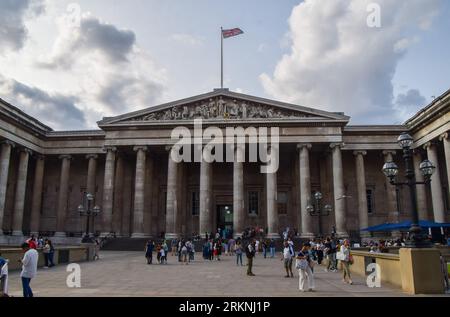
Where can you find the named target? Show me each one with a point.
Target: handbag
(340, 256)
(301, 264)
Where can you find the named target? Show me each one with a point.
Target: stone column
(172, 198)
(4, 171)
(238, 191)
(436, 185)
(118, 196)
(206, 213)
(272, 205)
(362, 192)
(108, 190)
(305, 190)
(446, 143)
(421, 193)
(63, 194)
(391, 194)
(139, 193)
(339, 191)
(21, 188)
(36, 204)
(90, 183)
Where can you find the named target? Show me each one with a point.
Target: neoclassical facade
(142, 192)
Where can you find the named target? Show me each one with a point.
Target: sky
(70, 63)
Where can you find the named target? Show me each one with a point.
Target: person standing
(250, 252)
(173, 244)
(330, 251)
(149, 251)
(346, 261)
(272, 248)
(304, 269)
(29, 268)
(288, 254)
(32, 242)
(264, 248)
(46, 252)
(238, 251)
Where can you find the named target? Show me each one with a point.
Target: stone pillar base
(35, 234)
(421, 271)
(342, 235)
(307, 235)
(273, 236)
(138, 235)
(17, 233)
(237, 236)
(171, 236)
(60, 235)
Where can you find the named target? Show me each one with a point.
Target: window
(195, 203)
(370, 204)
(282, 201)
(253, 203)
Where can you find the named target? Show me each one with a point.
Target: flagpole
(221, 57)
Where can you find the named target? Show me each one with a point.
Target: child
(163, 256)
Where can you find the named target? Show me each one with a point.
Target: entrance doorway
(225, 220)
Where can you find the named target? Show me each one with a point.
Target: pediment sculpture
(220, 108)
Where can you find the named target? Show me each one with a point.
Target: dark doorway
(225, 220)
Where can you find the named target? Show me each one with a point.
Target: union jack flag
(232, 32)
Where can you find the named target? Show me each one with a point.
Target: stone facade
(126, 165)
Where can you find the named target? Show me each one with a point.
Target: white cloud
(56, 110)
(98, 62)
(337, 63)
(13, 13)
(407, 104)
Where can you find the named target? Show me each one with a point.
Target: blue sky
(314, 53)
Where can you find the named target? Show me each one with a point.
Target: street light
(416, 239)
(318, 211)
(85, 209)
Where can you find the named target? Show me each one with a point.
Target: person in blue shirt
(149, 251)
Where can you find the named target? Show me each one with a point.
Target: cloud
(407, 104)
(187, 39)
(112, 74)
(337, 63)
(56, 110)
(13, 13)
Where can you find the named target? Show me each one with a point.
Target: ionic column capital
(360, 152)
(9, 142)
(389, 152)
(65, 157)
(337, 145)
(300, 146)
(428, 145)
(26, 150)
(40, 157)
(109, 149)
(443, 136)
(92, 156)
(140, 148)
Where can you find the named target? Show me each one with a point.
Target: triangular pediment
(223, 105)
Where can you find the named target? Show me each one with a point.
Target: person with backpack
(330, 251)
(288, 255)
(303, 265)
(250, 252)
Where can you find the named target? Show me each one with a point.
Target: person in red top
(32, 243)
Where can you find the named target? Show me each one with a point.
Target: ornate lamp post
(318, 211)
(416, 239)
(85, 209)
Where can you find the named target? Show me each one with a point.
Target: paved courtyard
(127, 274)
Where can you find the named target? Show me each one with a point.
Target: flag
(232, 32)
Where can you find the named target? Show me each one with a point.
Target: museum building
(141, 191)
